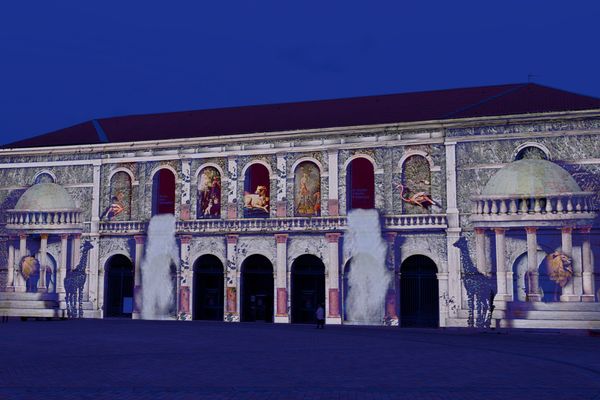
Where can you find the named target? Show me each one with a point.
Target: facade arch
(308, 159)
(254, 162)
(37, 178)
(206, 165)
(165, 166)
(122, 169)
(355, 156)
(425, 155)
(518, 152)
(307, 189)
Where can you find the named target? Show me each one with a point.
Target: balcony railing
(292, 224)
(61, 219)
(543, 207)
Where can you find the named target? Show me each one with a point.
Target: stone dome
(45, 197)
(531, 178)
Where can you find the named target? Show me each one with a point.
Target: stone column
(501, 279)
(231, 293)
(480, 250)
(43, 261)
(62, 268)
(10, 268)
(185, 210)
(281, 186)
(391, 307)
(333, 202)
(588, 267)
(137, 277)
(451, 198)
(281, 312)
(532, 265)
(22, 253)
(568, 292)
(333, 281)
(184, 310)
(232, 178)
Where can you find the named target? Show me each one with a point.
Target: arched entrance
(208, 288)
(419, 301)
(257, 289)
(119, 287)
(163, 192)
(308, 288)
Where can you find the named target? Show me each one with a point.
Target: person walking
(320, 314)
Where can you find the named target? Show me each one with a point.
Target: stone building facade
(261, 217)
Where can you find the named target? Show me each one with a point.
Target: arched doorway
(308, 288)
(257, 289)
(346, 289)
(419, 302)
(119, 287)
(163, 192)
(360, 184)
(208, 288)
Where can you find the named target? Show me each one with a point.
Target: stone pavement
(132, 359)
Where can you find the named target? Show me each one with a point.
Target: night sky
(65, 62)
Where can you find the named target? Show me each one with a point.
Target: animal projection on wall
(74, 283)
(479, 287)
(415, 188)
(560, 270)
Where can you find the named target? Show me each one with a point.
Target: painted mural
(307, 190)
(120, 198)
(209, 193)
(415, 189)
(256, 192)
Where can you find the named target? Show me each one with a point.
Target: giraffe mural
(480, 289)
(74, 283)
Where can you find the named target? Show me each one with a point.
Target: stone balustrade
(564, 206)
(23, 220)
(292, 224)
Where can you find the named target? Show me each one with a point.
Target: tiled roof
(394, 108)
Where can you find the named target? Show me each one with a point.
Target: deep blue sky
(65, 62)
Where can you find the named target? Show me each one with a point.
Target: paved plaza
(125, 359)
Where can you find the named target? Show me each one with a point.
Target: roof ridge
(486, 100)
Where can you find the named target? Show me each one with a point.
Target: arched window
(208, 204)
(416, 185)
(531, 153)
(119, 208)
(163, 192)
(256, 192)
(307, 190)
(360, 184)
(44, 177)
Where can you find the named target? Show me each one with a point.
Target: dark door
(308, 288)
(119, 287)
(257, 289)
(208, 289)
(419, 303)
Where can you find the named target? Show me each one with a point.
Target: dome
(45, 196)
(531, 178)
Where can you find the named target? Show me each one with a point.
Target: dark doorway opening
(346, 289)
(360, 184)
(419, 302)
(163, 192)
(208, 289)
(257, 289)
(119, 287)
(308, 288)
